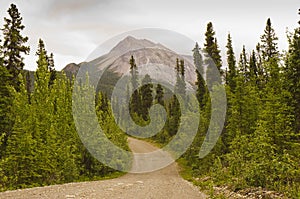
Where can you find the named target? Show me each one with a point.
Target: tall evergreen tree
(43, 109)
(200, 83)
(231, 61)
(261, 72)
(5, 104)
(159, 97)
(299, 14)
(14, 44)
(269, 46)
(177, 66)
(51, 69)
(270, 54)
(213, 58)
(180, 86)
(244, 64)
(211, 46)
(135, 102)
(292, 74)
(147, 96)
(1, 55)
(231, 82)
(21, 160)
(182, 69)
(42, 73)
(174, 114)
(253, 68)
(64, 139)
(134, 72)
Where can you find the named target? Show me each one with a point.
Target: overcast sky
(72, 29)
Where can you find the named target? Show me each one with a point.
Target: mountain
(71, 69)
(151, 58)
(131, 44)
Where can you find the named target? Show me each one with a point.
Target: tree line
(260, 144)
(38, 139)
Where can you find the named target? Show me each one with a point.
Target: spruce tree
(146, 96)
(244, 65)
(271, 140)
(64, 140)
(43, 109)
(198, 59)
(174, 114)
(253, 73)
(261, 72)
(51, 69)
(183, 83)
(182, 69)
(180, 86)
(213, 57)
(159, 97)
(14, 44)
(231, 82)
(292, 74)
(211, 46)
(270, 54)
(269, 42)
(177, 66)
(231, 61)
(135, 101)
(200, 83)
(42, 73)
(134, 72)
(21, 160)
(41, 132)
(299, 14)
(5, 105)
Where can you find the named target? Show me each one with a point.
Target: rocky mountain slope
(151, 58)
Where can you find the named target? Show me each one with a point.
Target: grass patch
(184, 170)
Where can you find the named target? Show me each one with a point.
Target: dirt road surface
(162, 184)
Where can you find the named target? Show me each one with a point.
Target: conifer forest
(259, 146)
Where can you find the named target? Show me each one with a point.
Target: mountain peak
(131, 43)
(151, 58)
(130, 38)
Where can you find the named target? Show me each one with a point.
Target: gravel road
(162, 184)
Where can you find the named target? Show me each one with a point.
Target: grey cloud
(72, 28)
(58, 8)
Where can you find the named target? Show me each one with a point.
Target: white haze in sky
(72, 29)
